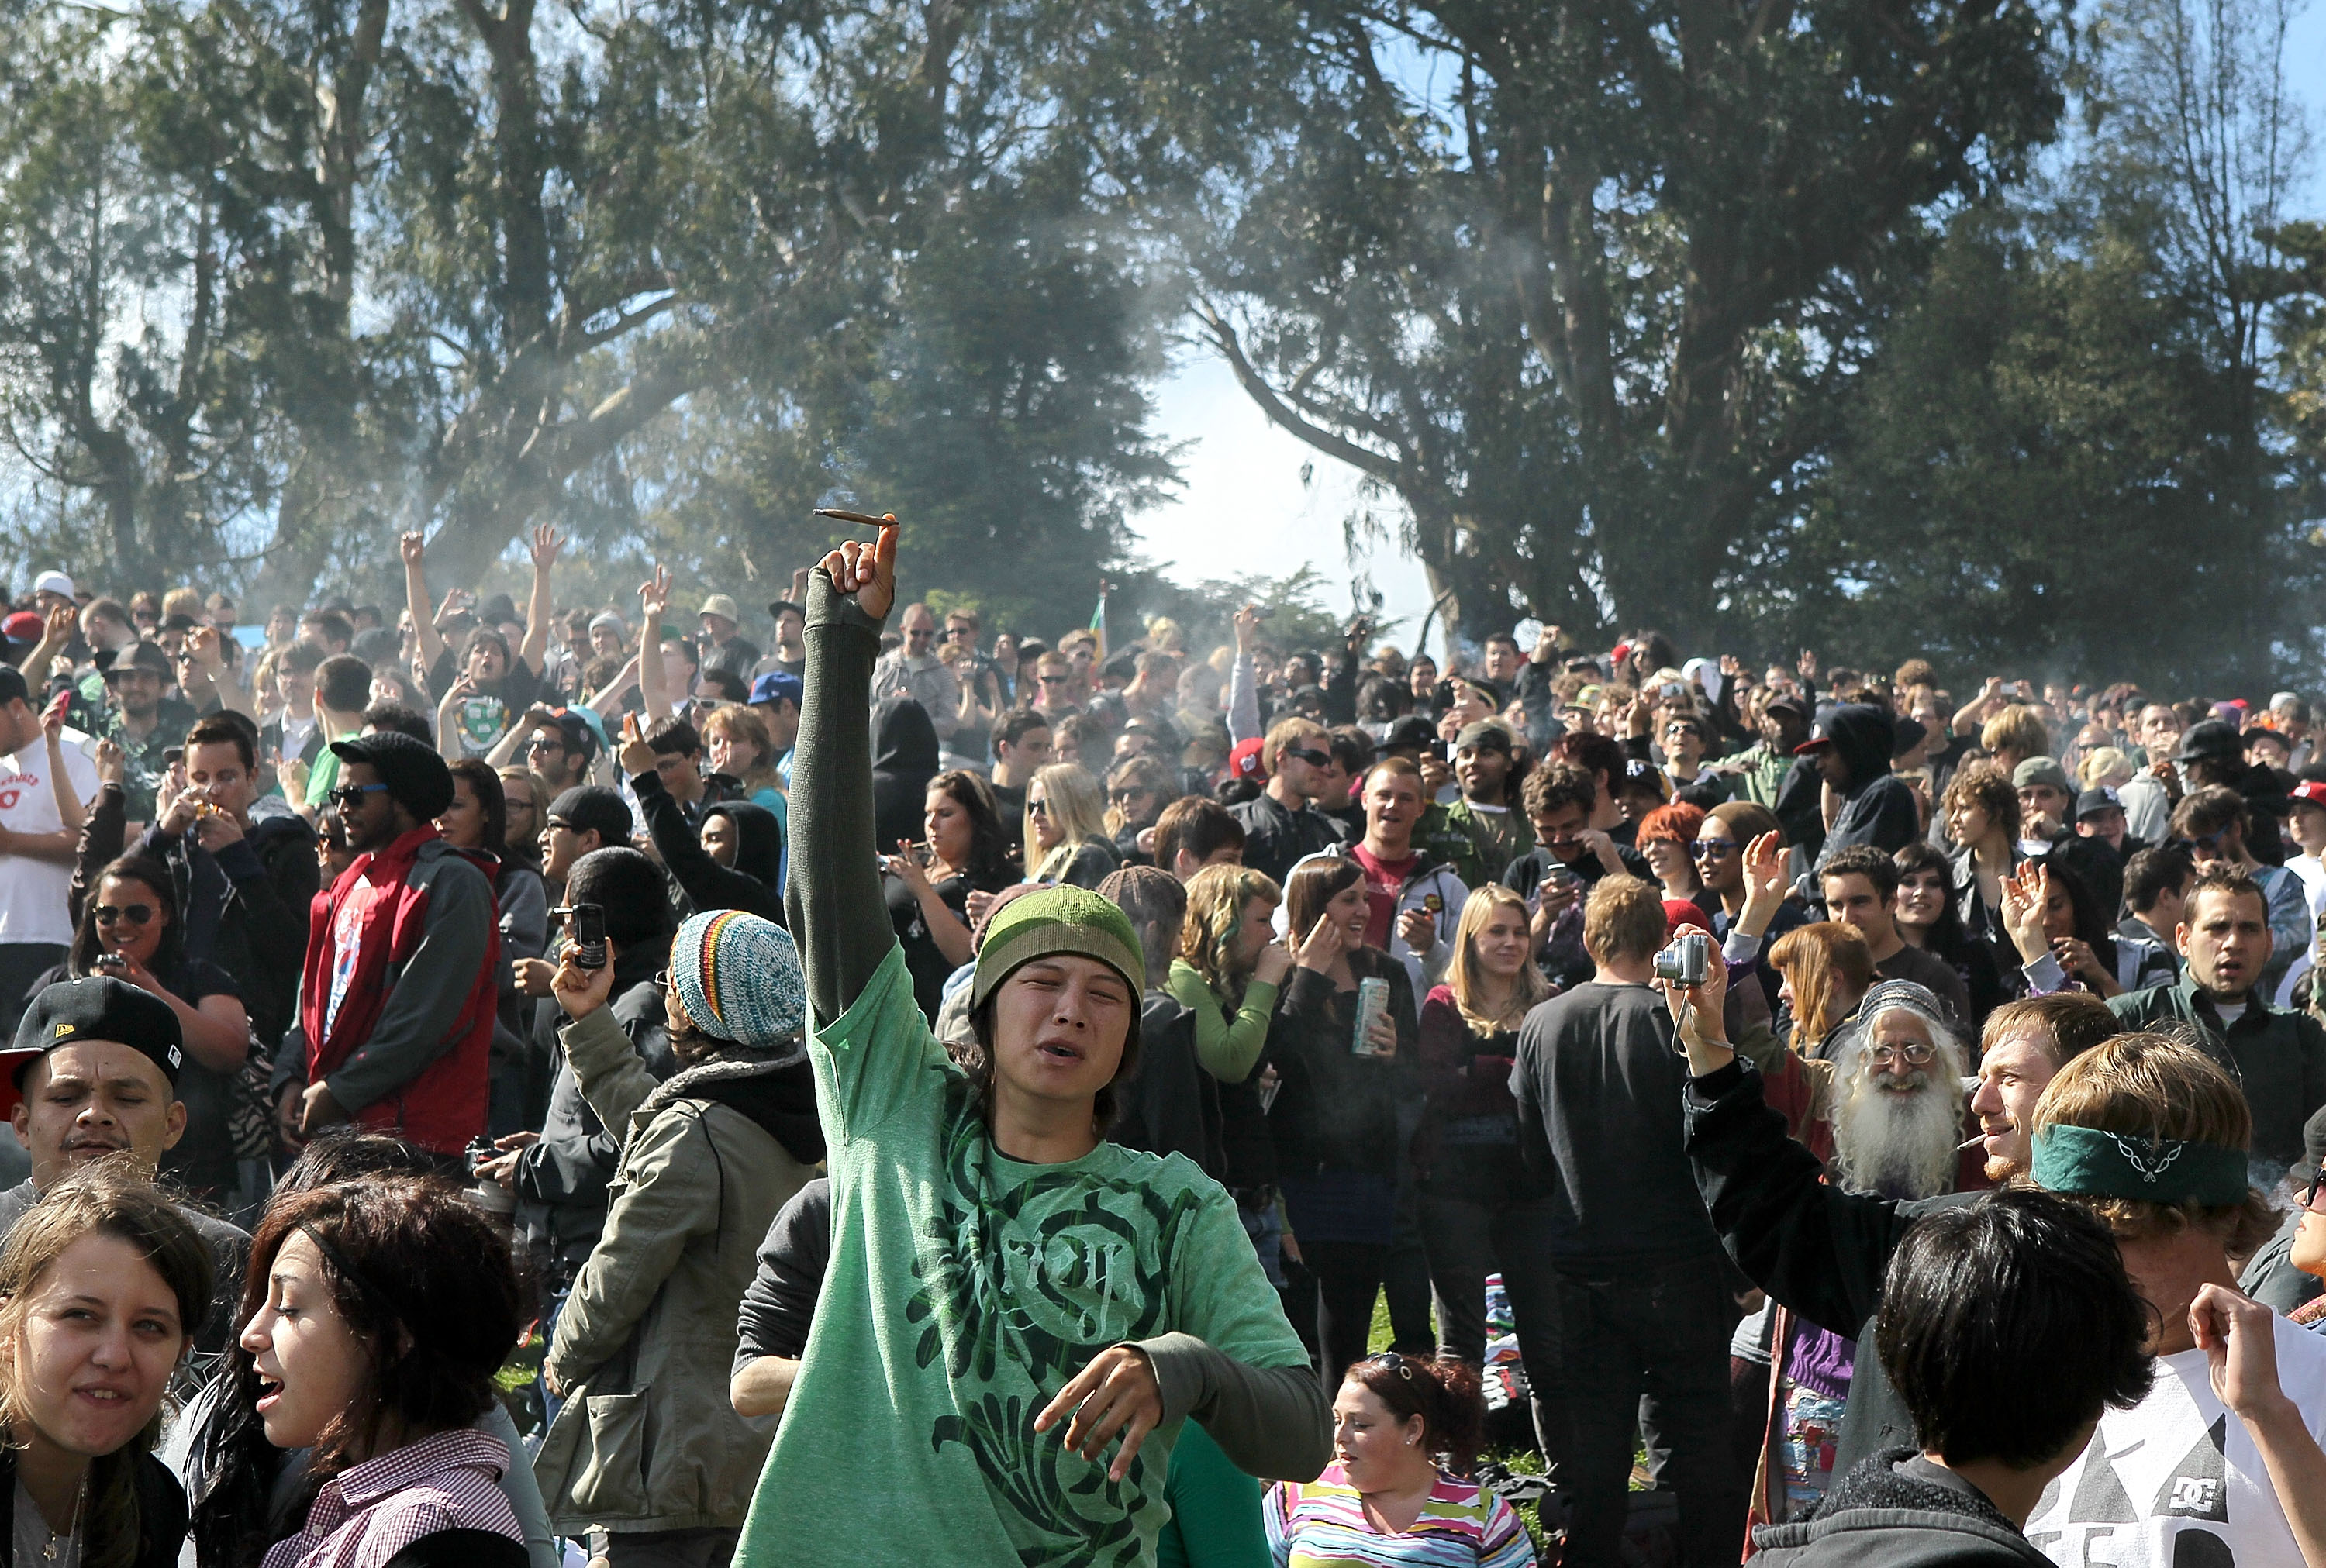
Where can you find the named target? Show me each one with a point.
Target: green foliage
(1586, 286)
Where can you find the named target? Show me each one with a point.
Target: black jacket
(750, 884)
(245, 909)
(560, 1180)
(1880, 1514)
(1336, 1110)
(1276, 837)
(160, 1513)
(1816, 1249)
(1878, 808)
(1172, 1106)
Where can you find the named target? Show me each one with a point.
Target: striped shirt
(1323, 1525)
(363, 1515)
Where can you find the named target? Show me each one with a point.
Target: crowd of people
(559, 1084)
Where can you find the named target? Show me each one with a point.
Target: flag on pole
(1098, 620)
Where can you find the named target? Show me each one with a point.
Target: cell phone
(112, 963)
(585, 927)
(59, 704)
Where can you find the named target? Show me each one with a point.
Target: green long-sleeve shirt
(1228, 1048)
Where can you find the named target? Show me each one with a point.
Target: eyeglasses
(347, 797)
(1037, 808)
(134, 913)
(560, 825)
(1119, 796)
(1914, 1055)
(960, 631)
(1310, 756)
(1711, 848)
(545, 743)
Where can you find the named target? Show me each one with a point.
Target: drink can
(1373, 1005)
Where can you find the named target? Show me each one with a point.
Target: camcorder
(1684, 961)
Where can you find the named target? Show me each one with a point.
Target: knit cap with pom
(1052, 921)
(739, 978)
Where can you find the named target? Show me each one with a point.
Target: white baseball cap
(54, 582)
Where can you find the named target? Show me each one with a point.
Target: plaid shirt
(365, 1516)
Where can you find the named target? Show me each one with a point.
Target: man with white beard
(1898, 1107)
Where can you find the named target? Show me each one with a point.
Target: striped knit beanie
(1056, 920)
(739, 978)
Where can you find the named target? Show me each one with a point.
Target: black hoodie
(752, 883)
(904, 760)
(1897, 1510)
(1878, 808)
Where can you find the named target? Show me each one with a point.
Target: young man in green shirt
(1008, 1294)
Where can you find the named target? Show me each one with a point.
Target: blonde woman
(1229, 971)
(2104, 767)
(1468, 1150)
(1229, 967)
(1066, 839)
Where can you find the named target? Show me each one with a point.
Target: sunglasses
(1037, 808)
(1711, 848)
(545, 743)
(1310, 756)
(1916, 1055)
(1391, 1361)
(2210, 843)
(1119, 796)
(2317, 1185)
(347, 797)
(111, 915)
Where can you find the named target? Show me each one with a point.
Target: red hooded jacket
(409, 1050)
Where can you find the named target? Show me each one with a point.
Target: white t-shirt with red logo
(34, 892)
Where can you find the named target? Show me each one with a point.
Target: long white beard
(1900, 1145)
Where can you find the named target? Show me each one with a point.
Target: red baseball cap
(1244, 762)
(2310, 793)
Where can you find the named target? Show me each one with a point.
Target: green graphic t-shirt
(964, 1289)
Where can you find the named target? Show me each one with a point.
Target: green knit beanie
(1056, 920)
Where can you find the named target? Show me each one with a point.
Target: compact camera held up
(1683, 963)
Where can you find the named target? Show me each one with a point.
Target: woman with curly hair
(1982, 812)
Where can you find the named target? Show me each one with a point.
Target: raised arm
(545, 546)
(55, 632)
(209, 658)
(835, 899)
(415, 547)
(654, 687)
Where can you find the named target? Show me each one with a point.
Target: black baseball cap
(2096, 799)
(1786, 702)
(416, 778)
(1412, 730)
(587, 806)
(98, 1007)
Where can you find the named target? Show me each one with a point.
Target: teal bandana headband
(2093, 1163)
